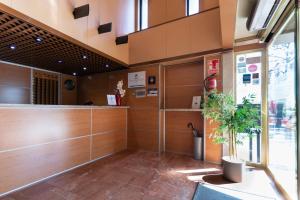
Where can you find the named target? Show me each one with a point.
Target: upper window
(143, 15)
(192, 7)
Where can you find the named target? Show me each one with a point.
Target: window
(143, 15)
(192, 7)
(248, 82)
(282, 129)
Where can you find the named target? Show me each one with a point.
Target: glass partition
(249, 82)
(282, 130)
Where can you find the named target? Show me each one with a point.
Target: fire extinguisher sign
(213, 66)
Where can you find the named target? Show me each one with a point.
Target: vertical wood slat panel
(46, 89)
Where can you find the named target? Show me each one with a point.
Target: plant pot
(233, 169)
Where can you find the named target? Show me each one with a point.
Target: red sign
(213, 66)
(252, 68)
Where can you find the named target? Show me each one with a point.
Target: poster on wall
(213, 66)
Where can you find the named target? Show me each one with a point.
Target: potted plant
(233, 122)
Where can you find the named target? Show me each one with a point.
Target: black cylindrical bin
(198, 148)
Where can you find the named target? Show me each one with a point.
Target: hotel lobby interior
(149, 99)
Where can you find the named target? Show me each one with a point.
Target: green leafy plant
(233, 120)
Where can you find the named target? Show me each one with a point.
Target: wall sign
(213, 66)
(152, 92)
(246, 78)
(252, 68)
(140, 93)
(137, 79)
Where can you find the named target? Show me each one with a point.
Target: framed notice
(137, 79)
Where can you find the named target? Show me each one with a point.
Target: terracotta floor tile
(129, 175)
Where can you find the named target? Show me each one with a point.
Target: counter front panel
(39, 141)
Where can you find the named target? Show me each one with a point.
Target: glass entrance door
(282, 129)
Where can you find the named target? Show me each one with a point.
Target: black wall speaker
(81, 11)
(104, 28)
(122, 40)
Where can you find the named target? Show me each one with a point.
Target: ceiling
(243, 11)
(30, 45)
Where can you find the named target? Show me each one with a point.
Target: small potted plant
(233, 122)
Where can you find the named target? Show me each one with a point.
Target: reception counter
(37, 142)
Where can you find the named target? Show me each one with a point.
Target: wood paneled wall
(39, 142)
(14, 84)
(213, 152)
(194, 34)
(161, 11)
(179, 138)
(68, 97)
(182, 82)
(143, 114)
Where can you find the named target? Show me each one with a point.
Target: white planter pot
(233, 170)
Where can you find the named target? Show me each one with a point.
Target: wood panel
(143, 114)
(147, 45)
(68, 97)
(177, 42)
(182, 82)
(108, 143)
(156, 12)
(179, 137)
(213, 152)
(162, 11)
(208, 38)
(93, 88)
(228, 14)
(175, 9)
(14, 84)
(208, 4)
(182, 96)
(105, 120)
(21, 167)
(39, 142)
(23, 127)
(159, 42)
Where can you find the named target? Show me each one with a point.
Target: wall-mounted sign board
(137, 79)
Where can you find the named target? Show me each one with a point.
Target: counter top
(59, 106)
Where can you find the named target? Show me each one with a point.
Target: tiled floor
(127, 175)
(130, 175)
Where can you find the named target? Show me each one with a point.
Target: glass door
(282, 120)
(249, 67)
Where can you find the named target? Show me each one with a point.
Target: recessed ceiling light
(74, 73)
(84, 68)
(84, 57)
(12, 47)
(38, 39)
(60, 61)
(107, 65)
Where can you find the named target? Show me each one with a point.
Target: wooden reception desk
(37, 142)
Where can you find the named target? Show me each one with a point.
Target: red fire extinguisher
(210, 83)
